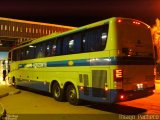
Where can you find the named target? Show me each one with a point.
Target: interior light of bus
(31, 46)
(119, 20)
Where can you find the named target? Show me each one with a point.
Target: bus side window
(67, 45)
(40, 50)
(84, 43)
(59, 46)
(77, 43)
(103, 40)
(32, 51)
(27, 53)
(48, 49)
(90, 40)
(95, 39)
(104, 36)
(21, 54)
(71, 46)
(53, 48)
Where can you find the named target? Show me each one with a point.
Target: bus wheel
(72, 95)
(56, 92)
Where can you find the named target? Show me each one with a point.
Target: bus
(106, 62)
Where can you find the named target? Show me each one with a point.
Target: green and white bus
(108, 61)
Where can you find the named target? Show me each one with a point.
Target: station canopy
(14, 32)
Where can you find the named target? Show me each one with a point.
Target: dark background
(79, 12)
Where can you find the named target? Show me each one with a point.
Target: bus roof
(85, 27)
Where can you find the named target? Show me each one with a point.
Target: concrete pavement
(6, 89)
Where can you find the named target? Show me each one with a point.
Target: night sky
(81, 12)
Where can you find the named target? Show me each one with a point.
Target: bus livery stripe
(94, 62)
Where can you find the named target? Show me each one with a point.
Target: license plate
(140, 86)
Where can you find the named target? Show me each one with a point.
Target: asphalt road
(40, 106)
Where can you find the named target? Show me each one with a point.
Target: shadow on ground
(113, 108)
(118, 109)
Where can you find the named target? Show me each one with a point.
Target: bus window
(103, 40)
(22, 54)
(32, 51)
(134, 40)
(67, 45)
(59, 44)
(95, 39)
(71, 46)
(48, 49)
(53, 48)
(40, 50)
(27, 53)
(77, 43)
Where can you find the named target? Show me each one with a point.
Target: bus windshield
(134, 39)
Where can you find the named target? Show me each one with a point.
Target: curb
(14, 92)
(4, 95)
(10, 93)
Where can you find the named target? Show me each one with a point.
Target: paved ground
(28, 102)
(6, 89)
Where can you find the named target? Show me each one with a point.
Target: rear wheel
(72, 95)
(57, 92)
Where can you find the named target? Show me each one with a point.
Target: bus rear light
(118, 78)
(122, 97)
(106, 88)
(119, 20)
(153, 91)
(118, 75)
(136, 22)
(81, 88)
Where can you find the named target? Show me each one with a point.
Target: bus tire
(57, 92)
(71, 95)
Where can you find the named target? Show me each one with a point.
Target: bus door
(100, 83)
(100, 76)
